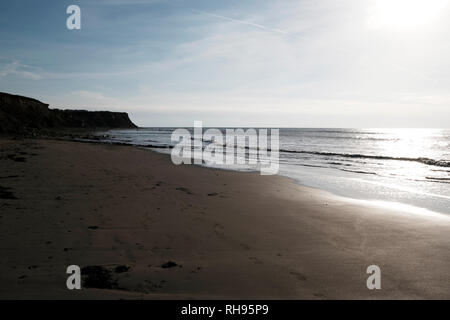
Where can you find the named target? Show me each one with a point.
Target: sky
(250, 63)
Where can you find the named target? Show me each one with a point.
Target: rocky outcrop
(21, 114)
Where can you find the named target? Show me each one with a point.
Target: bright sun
(404, 14)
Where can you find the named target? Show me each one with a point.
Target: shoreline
(410, 203)
(89, 136)
(231, 234)
(405, 206)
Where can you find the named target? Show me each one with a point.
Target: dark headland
(23, 115)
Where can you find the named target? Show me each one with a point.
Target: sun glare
(404, 14)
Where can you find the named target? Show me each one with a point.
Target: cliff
(22, 114)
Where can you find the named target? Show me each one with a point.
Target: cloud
(17, 69)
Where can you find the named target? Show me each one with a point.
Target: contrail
(241, 22)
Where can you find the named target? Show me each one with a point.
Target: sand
(226, 235)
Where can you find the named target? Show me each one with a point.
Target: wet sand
(154, 230)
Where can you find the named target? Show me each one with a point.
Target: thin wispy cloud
(15, 68)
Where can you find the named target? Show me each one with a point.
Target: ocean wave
(436, 178)
(350, 138)
(344, 131)
(427, 161)
(358, 171)
(423, 160)
(440, 170)
(339, 164)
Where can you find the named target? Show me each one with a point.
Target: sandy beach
(169, 232)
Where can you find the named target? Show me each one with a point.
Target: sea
(390, 166)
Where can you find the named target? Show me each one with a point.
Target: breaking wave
(427, 161)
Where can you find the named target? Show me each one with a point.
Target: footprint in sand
(319, 295)
(255, 260)
(298, 275)
(183, 189)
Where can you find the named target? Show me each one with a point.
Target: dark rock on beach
(6, 194)
(98, 277)
(121, 269)
(169, 264)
